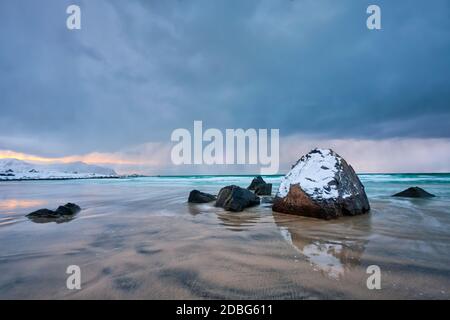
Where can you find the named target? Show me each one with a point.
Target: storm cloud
(137, 70)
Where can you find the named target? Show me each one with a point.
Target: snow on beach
(14, 169)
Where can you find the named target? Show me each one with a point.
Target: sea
(138, 238)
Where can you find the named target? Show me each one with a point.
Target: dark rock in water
(260, 186)
(414, 192)
(200, 197)
(256, 182)
(68, 209)
(62, 214)
(44, 213)
(321, 185)
(263, 189)
(234, 198)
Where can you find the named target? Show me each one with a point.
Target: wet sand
(139, 239)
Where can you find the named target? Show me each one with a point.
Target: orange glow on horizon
(91, 158)
(12, 204)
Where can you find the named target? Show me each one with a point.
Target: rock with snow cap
(321, 185)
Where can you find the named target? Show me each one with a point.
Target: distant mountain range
(14, 169)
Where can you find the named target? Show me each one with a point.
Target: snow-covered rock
(321, 184)
(14, 169)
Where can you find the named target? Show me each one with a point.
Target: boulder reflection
(234, 221)
(331, 247)
(62, 219)
(238, 221)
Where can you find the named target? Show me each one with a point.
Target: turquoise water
(373, 182)
(138, 238)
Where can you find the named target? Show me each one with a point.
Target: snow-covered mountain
(14, 169)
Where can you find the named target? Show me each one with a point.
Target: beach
(138, 238)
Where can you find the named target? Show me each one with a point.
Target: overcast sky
(137, 70)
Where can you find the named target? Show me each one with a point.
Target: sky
(113, 92)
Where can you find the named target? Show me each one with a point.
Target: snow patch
(14, 169)
(315, 173)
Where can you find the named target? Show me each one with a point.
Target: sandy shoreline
(139, 239)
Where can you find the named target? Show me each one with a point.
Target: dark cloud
(139, 69)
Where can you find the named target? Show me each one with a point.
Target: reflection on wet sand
(62, 219)
(233, 221)
(238, 221)
(333, 248)
(197, 208)
(12, 204)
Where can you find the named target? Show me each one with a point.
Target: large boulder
(321, 185)
(414, 192)
(200, 197)
(234, 198)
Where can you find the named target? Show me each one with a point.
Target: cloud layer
(139, 69)
(405, 155)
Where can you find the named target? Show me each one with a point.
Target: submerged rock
(200, 197)
(414, 192)
(234, 198)
(69, 209)
(321, 185)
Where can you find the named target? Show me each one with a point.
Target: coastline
(217, 176)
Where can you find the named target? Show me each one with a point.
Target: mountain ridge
(15, 169)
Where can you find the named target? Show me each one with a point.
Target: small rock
(234, 198)
(256, 182)
(200, 197)
(68, 209)
(263, 189)
(414, 192)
